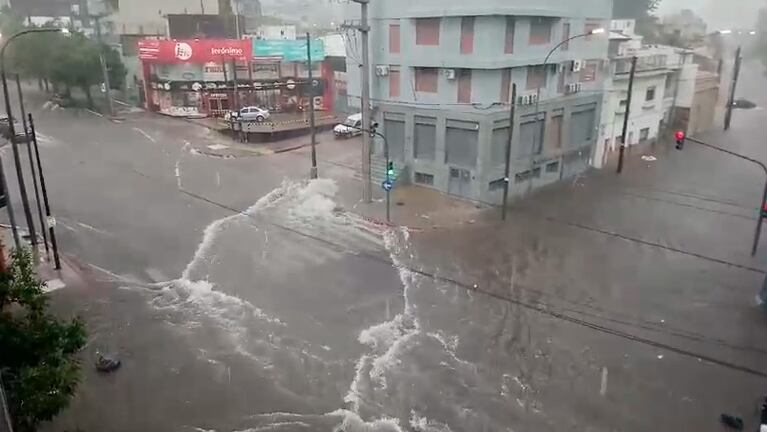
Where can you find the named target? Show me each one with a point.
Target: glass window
(427, 31)
(509, 43)
(650, 94)
(394, 39)
(536, 77)
(394, 84)
(464, 86)
(530, 137)
(540, 31)
(426, 80)
(467, 35)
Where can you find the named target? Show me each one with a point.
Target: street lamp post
(538, 95)
(12, 130)
(682, 138)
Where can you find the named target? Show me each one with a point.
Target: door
(460, 182)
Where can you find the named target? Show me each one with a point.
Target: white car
(250, 113)
(350, 127)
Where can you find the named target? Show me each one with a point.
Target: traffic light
(680, 138)
(390, 170)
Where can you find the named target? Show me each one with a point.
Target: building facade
(442, 72)
(210, 77)
(664, 87)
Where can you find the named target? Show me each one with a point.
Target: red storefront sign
(194, 51)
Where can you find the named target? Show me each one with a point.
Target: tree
(39, 367)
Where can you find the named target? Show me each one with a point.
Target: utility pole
(313, 170)
(364, 28)
(507, 169)
(51, 220)
(104, 69)
(627, 115)
(733, 88)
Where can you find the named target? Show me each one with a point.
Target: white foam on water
(351, 422)
(422, 424)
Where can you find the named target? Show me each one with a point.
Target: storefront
(212, 77)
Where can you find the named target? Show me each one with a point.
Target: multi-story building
(664, 88)
(441, 90)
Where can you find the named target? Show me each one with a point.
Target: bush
(38, 361)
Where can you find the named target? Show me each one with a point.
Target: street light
(12, 132)
(682, 138)
(596, 31)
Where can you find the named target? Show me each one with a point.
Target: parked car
(250, 113)
(350, 127)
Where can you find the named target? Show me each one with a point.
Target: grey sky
(719, 14)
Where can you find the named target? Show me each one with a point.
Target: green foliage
(38, 365)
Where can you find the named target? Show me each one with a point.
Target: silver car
(250, 113)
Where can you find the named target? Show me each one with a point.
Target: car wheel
(260, 118)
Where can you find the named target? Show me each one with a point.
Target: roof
(618, 36)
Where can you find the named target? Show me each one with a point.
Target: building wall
(147, 16)
(440, 138)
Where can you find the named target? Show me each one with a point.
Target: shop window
(424, 179)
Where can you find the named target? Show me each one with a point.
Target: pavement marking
(95, 113)
(53, 285)
(94, 229)
(603, 387)
(218, 178)
(146, 135)
(178, 173)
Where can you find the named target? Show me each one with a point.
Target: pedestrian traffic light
(390, 170)
(680, 138)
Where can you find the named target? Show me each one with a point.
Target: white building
(664, 81)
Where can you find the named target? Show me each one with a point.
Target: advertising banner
(288, 50)
(194, 51)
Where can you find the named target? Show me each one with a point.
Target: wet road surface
(603, 304)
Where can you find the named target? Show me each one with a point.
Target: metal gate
(460, 182)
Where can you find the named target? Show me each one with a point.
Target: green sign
(289, 50)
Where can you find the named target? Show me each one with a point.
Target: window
(530, 137)
(644, 134)
(509, 44)
(537, 172)
(540, 31)
(394, 83)
(552, 167)
(461, 142)
(650, 94)
(589, 71)
(394, 130)
(464, 86)
(565, 36)
(498, 145)
(522, 177)
(591, 25)
(555, 134)
(394, 39)
(536, 77)
(467, 35)
(426, 80)
(427, 31)
(506, 85)
(582, 127)
(424, 179)
(425, 138)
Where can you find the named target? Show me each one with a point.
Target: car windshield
(515, 240)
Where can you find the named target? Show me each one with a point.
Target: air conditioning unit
(528, 99)
(449, 73)
(382, 71)
(577, 65)
(573, 88)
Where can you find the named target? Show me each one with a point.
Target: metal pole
(313, 171)
(758, 233)
(388, 192)
(9, 206)
(367, 187)
(104, 69)
(733, 88)
(16, 158)
(507, 169)
(236, 93)
(32, 165)
(627, 114)
(51, 230)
